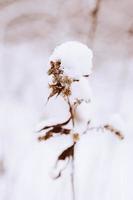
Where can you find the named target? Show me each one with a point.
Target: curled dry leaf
(67, 153)
(54, 130)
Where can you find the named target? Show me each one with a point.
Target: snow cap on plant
(75, 58)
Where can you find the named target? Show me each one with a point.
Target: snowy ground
(103, 163)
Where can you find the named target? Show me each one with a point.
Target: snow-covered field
(103, 164)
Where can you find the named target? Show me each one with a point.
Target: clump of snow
(75, 57)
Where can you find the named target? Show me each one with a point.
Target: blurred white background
(29, 31)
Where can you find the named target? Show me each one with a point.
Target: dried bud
(76, 137)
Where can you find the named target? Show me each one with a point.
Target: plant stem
(72, 180)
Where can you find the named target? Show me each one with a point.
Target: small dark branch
(86, 75)
(94, 15)
(107, 127)
(73, 107)
(130, 31)
(87, 127)
(72, 179)
(71, 111)
(2, 167)
(114, 130)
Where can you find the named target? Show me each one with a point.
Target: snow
(110, 173)
(106, 175)
(76, 58)
(103, 163)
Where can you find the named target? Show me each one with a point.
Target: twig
(94, 14)
(72, 179)
(107, 127)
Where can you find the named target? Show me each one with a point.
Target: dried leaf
(67, 153)
(60, 124)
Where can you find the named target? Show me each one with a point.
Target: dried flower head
(61, 84)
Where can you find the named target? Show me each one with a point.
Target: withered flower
(61, 84)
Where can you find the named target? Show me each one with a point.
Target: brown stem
(94, 15)
(72, 180)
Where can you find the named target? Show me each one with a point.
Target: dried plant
(61, 85)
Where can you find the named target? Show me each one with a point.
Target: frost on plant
(70, 66)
